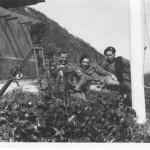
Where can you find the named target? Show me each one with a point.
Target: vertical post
(137, 57)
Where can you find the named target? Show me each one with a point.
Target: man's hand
(113, 77)
(60, 73)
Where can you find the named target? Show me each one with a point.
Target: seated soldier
(96, 76)
(67, 74)
(120, 67)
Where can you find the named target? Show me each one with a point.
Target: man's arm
(103, 72)
(82, 78)
(100, 70)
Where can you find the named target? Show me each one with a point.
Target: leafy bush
(24, 118)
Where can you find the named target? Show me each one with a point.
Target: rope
(146, 27)
(129, 25)
(15, 58)
(147, 87)
(148, 38)
(144, 36)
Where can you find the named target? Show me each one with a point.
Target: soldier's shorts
(97, 85)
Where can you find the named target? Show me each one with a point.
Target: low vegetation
(24, 117)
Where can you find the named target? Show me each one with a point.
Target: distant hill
(54, 38)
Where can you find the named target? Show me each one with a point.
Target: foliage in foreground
(24, 118)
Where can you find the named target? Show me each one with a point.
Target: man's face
(63, 59)
(110, 56)
(85, 63)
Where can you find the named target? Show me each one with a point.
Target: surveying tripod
(38, 53)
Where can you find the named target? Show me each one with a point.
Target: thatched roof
(18, 3)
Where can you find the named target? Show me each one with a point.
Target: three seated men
(91, 74)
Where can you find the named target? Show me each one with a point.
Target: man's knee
(110, 82)
(96, 88)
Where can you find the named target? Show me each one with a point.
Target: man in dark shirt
(120, 67)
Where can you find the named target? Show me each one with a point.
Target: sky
(101, 23)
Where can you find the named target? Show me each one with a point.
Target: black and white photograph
(66, 68)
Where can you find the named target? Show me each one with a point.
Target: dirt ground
(26, 85)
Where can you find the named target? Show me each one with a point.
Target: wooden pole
(137, 58)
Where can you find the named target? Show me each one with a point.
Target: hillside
(55, 38)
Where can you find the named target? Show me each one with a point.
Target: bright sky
(101, 23)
